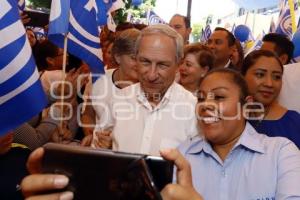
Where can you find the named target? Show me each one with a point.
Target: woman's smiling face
(219, 108)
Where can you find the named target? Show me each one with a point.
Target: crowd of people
(205, 106)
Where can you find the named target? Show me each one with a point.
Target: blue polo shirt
(257, 168)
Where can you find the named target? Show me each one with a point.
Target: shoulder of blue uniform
(191, 145)
(260, 142)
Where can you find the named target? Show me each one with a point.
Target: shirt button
(223, 173)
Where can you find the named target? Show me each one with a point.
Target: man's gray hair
(167, 31)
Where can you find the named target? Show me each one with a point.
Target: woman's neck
(121, 80)
(191, 87)
(274, 111)
(224, 148)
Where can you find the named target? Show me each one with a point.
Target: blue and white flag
(116, 4)
(39, 32)
(153, 18)
(284, 24)
(202, 36)
(59, 17)
(233, 28)
(206, 33)
(256, 45)
(272, 26)
(82, 31)
(21, 4)
(21, 93)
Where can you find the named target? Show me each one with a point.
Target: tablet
(37, 19)
(108, 175)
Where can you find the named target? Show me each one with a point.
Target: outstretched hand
(184, 188)
(37, 186)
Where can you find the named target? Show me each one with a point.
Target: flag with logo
(256, 44)
(77, 19)
(272, 26)
(104, 8)
(233, 28)
(21, 4)
(206, 33)
(286, 24)
(21, 93)
(153, 18)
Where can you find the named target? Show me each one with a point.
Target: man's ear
(205, 70)
(117, 59)
(284, 59)
(189, 30)
(232, 49)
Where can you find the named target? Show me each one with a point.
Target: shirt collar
(166, 98)
(249, 139)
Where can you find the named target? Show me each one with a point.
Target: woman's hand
(38, 186)
(184, 188)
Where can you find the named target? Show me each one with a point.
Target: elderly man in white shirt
(155, 113)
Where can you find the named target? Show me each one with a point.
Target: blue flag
(59, 17)
(284, 24)
(272, 26)
(21, 4)
(256, 45)
(206, 33)
(102, 7)
(233, 28)
(21, 93)
(82, 31)
(153, 18)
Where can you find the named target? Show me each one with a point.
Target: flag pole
(148, 15)
(62, 94)
(292, 11)
(246, 18)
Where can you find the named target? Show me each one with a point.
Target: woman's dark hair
(252, 57)
(236, 78)
(124, 43)
(204, 55)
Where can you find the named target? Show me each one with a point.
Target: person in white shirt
(156, 113)
(283, 47)
(123, 52)
(289, 95)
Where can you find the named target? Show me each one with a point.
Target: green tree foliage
(136, 12)
(196, 32)
(40, 3)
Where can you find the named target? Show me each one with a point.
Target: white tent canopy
(256, 4)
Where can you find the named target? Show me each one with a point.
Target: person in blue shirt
(229, 161)
(232, 161)
(263, 72)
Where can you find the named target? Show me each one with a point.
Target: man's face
(178, 24)
(270, 46)
(156, 65)
(218, 43)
